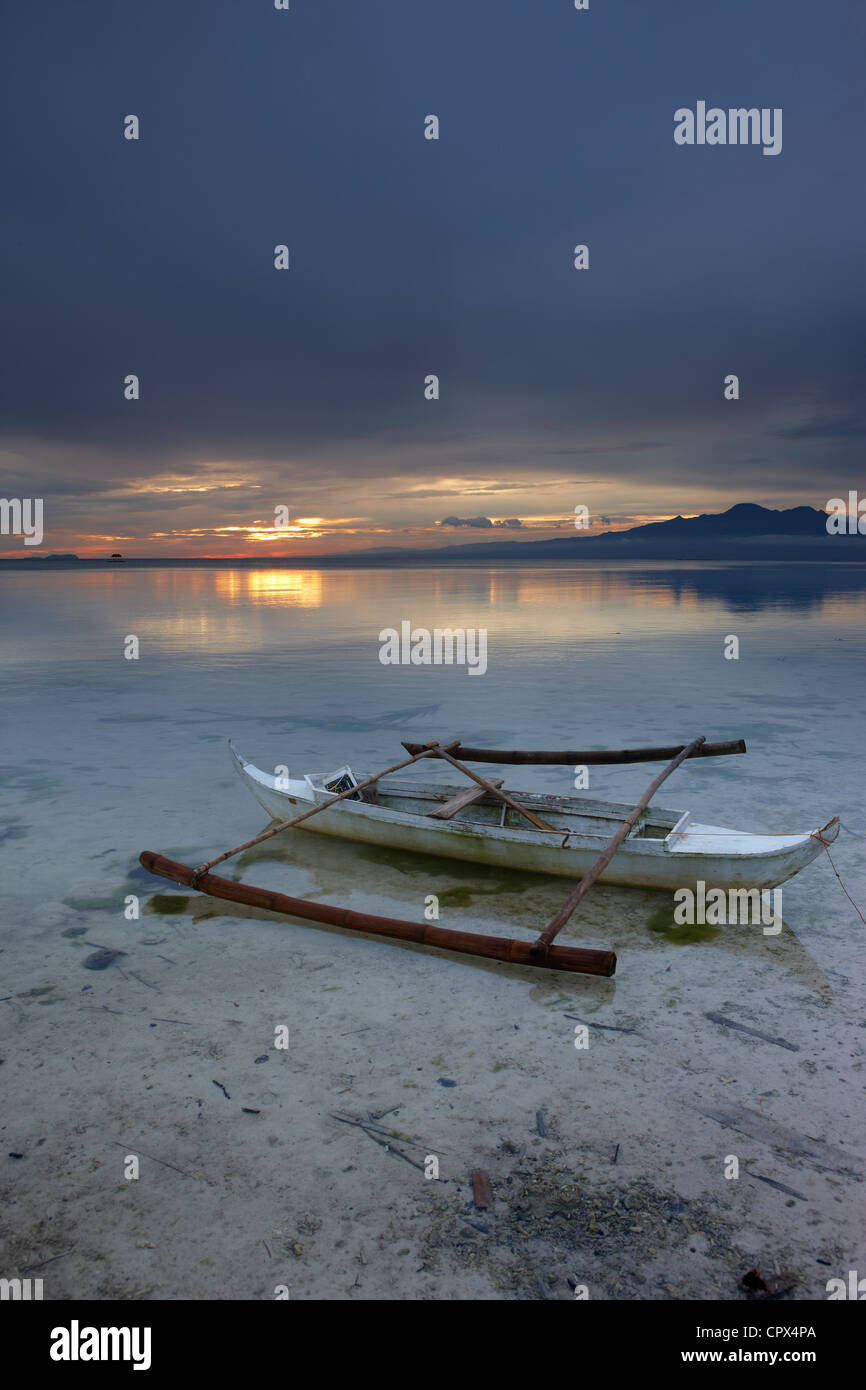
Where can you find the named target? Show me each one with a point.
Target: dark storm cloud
(825, 428)
(481, 523)
(410, 257)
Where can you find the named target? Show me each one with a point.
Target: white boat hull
(678, 854)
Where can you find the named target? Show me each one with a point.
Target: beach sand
(164, 1054)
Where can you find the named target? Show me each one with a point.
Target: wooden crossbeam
(488, 786)
(450, 808)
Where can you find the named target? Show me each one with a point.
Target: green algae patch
(661, 920)
(680, 934)
(464, 894)
(167, 903)
(74, 931)
(459, 897)
(691, 935)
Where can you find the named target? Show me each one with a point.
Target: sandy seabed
(607, 1163)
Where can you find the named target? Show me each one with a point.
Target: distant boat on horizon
(116, 558)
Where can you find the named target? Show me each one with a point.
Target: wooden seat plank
(450, 808)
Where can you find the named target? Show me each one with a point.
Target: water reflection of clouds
(84, 614)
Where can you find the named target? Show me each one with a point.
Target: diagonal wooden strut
(442, 752)
(545, 940)
(427, 751)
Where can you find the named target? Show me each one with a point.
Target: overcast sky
(305, 388)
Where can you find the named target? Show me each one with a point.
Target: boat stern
(829, 832)
(736, 859)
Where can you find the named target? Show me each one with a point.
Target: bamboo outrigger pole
(592, 757)
(573, 958)
(544, 942)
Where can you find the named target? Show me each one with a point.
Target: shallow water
(106, 756)
(706, 1042)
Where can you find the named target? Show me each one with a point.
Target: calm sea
(106, 755)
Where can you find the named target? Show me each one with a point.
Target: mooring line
(816, 835)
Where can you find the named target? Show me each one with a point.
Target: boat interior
(472, 804)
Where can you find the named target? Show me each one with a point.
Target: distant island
(745, 532)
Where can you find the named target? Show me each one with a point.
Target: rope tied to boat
(816, 835)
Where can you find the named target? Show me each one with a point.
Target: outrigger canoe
(485, 824)
(664, 849)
